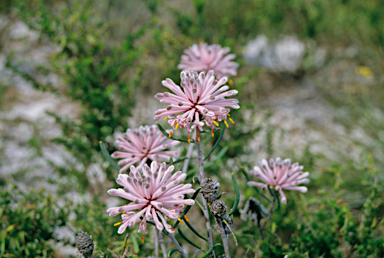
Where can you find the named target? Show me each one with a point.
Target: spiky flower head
(203, 58)
(142, 144)
(280, 174)
(199, 101)
(155, 194)
(210, 190)
(84, 245)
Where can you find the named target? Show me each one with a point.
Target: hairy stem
(162, 244)
(177, 245)
(205, 205)
(189, 153)
(224, 237)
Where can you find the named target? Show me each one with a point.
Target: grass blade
(108, 157)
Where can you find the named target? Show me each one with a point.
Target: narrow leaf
(199, 204)
(217, 143)
(237, 195)
(196, 179)
(188, 207)
(108, 156)
(189, 241)
(162, 130)
(219, 155)
(244, 172)
(136, 248)
(172, 252)
(210, 251)
(194, 230)
(180, 160)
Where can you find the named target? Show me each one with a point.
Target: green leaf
(162, 130)
(199, 204)
(196, 179)
(136, 248)
(217, 143)
(188, 207)
(210, 251)
(172, 252)
(180, 160)
(244, 172)
(237, 195)
(193, 230)
(108, 157)
(189, 241)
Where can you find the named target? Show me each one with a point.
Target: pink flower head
(280, 174)
(156, 195)
(203, 58)
(200, 101)
(141, 144)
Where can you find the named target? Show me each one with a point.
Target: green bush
(28, 222)
(101, 76)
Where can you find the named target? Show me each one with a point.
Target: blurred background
(73, 73)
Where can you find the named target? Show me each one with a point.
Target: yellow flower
(364, 71)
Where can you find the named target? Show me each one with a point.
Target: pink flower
(142, 144)
(280, 175)
(203, 58)
(155, 194)
(201, 101)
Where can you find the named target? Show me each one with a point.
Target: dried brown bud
(210, 190)
(84, 244)
(218, 208)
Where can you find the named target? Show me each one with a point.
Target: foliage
(99, 75)
(323, 224)
(28, 222)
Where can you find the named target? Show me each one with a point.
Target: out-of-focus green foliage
(28, 222)
(101, 76)
(322, 223)
(338, 21)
